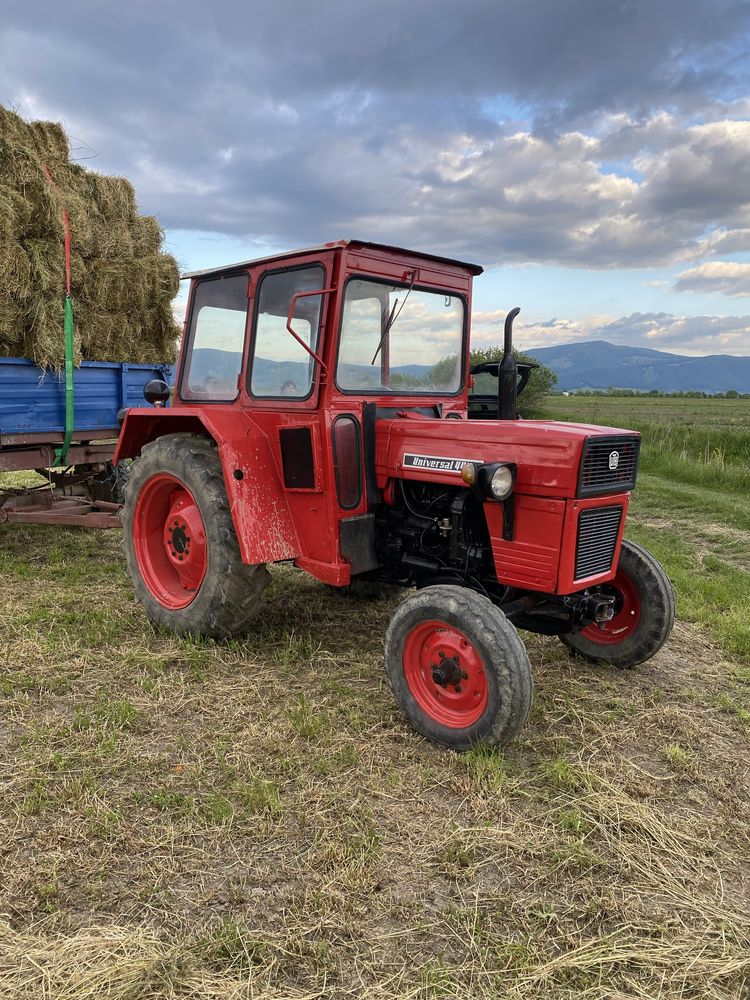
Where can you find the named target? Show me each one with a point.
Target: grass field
(692, 505)
(183, 819)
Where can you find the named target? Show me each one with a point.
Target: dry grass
(122, 283)
(186, 819)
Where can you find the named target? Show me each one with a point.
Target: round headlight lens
(501, 483)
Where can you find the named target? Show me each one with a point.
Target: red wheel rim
(445, 674)
(626, 617)
(170, 541)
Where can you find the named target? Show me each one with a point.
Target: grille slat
(598, 528)
(596, 475)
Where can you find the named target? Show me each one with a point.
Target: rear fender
(257, 502)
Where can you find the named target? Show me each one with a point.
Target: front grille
(597, 537)
(608, 464)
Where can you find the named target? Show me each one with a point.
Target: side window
(215, 339)
(281, 366)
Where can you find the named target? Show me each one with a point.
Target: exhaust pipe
(507, 374)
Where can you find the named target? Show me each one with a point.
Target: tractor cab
(290, 363)
(321, 417)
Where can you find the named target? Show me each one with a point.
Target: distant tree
(443, 373)
(541, 383)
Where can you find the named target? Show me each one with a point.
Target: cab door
(282, 394)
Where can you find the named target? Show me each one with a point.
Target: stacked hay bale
(122, 284)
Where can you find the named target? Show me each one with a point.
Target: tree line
(658, 393)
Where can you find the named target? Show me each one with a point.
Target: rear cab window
(216, 339)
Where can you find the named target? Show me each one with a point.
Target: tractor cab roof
(336, 245)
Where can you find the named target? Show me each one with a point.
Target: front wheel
(458, 668)
(643, 613)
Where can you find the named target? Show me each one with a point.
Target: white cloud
(690, 335)
(728, 277)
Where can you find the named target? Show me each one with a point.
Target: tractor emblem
(614, 460)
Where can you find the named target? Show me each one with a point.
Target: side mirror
(156, 392)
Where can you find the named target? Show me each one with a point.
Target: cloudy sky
(593, 155)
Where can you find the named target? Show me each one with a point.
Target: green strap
(62, 452)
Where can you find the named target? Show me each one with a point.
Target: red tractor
(321, 417)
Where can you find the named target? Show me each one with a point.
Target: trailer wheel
(458, 668)
(180, 544)
(644, 613)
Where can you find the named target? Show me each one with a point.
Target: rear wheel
(643, 618)
(180, 545)
(458, 668)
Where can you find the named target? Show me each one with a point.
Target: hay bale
(15, 268)
(113, 242)
(43, 332)
(44, 138)
(147, 235)
(15, 214)
(114, 197)
(167, 272)
(24, 176)
(122, 283)
(12, 321)
(47, 261)
(49, 141)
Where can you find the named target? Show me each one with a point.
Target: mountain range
(598, 364)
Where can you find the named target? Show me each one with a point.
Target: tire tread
(477, 617)
(232, 598)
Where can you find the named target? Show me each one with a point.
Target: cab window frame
(391, 393)
(187, 351)
(253, 331)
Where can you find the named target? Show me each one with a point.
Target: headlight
(501, 483)
(497, 479)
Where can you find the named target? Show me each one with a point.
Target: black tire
(230, 594)
(655, 607)
(497, 644)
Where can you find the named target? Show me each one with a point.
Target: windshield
(399, 339)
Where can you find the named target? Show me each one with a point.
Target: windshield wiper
(392, 317)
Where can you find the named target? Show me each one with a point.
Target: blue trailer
(33, 436)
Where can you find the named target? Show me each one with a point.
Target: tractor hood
(547, 453)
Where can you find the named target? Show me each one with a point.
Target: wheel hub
(620, 618)
(445, 674)
(170, 541)
(185, 539)
(447, 671)
(180, 540)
